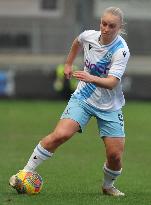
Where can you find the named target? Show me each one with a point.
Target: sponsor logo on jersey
(97, 69)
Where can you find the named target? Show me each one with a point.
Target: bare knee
(60, 136)
(55, 139)
(114, 160)
(114, 157)
(114, 152)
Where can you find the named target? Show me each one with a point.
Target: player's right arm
(70, 58)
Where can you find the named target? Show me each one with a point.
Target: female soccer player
(98, 94)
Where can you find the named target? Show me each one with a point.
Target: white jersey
(102, 60)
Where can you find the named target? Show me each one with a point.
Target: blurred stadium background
(36, 35)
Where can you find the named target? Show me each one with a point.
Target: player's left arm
(109, 82)
(116, 71)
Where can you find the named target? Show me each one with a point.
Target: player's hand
(68, 71)
(84, 76)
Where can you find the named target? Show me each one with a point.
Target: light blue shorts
(110, 123)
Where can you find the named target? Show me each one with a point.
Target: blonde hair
(117, 12)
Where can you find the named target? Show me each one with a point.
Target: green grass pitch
(74, 174)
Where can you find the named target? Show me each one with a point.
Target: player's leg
(113, 166)
(114, 151)
(111, 126)
(73, 119)
(64, 130)
(44, 150)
